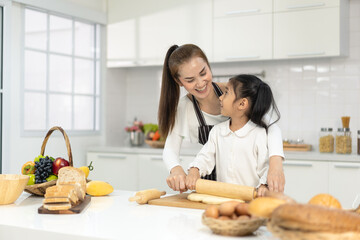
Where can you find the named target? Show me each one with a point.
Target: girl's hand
(262, 190)
(176, 179)
(276, 177)
(192, 177)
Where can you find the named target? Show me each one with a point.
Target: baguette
(314, 218)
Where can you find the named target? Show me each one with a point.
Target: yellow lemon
(98, 188)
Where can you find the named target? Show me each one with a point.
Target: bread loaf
(73, 176)
(60, 192)
(314, 218)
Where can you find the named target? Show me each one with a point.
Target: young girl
(191, 117)
(237, 148)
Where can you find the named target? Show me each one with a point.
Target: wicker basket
(155, 144)
(285, 234)
(233, 227)
(40, 189)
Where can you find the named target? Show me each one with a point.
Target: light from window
(61, 73)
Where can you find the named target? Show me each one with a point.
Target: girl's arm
(262, 162)
(171, 153)
(204, 162)
(276, 177)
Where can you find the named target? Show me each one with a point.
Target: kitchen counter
(108, 217)
(192, 151)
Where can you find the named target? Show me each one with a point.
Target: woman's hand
(176, 179)
(191, 178)
(276, 177)
(262, 190)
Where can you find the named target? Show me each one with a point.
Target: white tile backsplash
(310, 93)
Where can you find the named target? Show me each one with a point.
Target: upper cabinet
(305, 28)
(142, 37)
(140, 32)
(242, 30)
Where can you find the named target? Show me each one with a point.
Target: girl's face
(195, 76)
(228, 107)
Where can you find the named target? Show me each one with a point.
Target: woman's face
(195, 76)
(227, 101)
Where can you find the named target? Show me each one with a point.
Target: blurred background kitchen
(92, 66)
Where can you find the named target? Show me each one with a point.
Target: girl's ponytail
(169, 97)
(263, 103)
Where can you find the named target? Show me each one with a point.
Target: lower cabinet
(344, 182)
(120, 170)
(304, 179)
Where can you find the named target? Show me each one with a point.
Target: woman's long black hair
(259, 95)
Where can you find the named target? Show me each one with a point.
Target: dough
(209, 199)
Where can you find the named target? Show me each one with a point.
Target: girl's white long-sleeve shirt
(240, 157)
(186, 129)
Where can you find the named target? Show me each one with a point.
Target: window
(1, 82)
(61, 73)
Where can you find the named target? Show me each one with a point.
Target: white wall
(310, 93)
(18, 149)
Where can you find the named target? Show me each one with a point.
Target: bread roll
(264, 206)
(314, 218)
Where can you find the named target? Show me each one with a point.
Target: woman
(192, 117)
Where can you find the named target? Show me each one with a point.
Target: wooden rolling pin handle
(255, 193)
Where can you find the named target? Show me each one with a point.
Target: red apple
(59, 163)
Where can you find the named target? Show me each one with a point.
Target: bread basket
(155, 144)
(285, 234)
(40, 189)
(233, 227)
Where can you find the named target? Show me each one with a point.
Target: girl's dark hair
(170, 89)
(259, 95)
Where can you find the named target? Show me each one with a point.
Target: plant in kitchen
(137, 126)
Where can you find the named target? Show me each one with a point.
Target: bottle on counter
(326, 140)
(343, 140)
(358, 142)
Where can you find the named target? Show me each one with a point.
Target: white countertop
(192, 151)
(108, 217)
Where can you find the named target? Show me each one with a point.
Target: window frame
(97, 63)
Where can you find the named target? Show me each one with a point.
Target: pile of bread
(69, 191)
(321, 218)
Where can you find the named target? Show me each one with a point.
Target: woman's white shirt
(240, 157)
(186, 129)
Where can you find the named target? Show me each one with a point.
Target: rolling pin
(228, 190)
(144, 196)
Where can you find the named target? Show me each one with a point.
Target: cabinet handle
(298, 164)
(112, 157)
(242, 11)
(306, 6)
(156, 159)
(305, 54)
(346, 166)
(241, 57)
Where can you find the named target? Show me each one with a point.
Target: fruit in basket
(156, 136)
(28, 168)
(59, 163)
(87, 169)
(98, 188)
(51, 177)
(31, 179)
(43, 168)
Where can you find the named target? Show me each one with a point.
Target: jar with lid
(326, 140)
(358, 142)
(343, 140)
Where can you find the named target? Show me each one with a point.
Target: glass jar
(343, 140)
(326, 140)
(358, 142)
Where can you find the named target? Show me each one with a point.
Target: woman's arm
(171, 153)
(276, 177)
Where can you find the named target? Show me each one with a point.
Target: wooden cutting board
(73, 210)
(179, 200)
(297, 147)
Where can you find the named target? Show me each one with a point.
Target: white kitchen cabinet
(311, 31)
(344, 182)
(305, 179)
(295, 5)
(242, 30)
(120, 170)
(143, 39)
